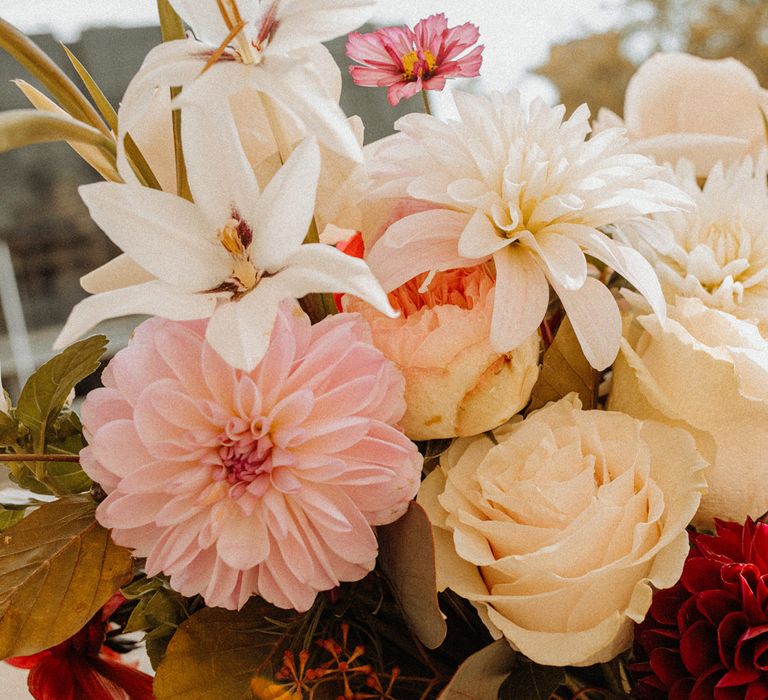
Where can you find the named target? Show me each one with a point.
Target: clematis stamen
(219, 52)
(234, 21)
(267, 28)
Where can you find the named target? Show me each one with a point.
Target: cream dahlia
(266, 482)
(524, 187)
(717, 251)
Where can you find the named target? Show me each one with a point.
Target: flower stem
(425, 100)
(39, 458)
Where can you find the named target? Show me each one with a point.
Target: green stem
(425, 100)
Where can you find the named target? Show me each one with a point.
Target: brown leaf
(215, 653)
(480, 677)
(565, 369)
(407, 557)
(58, 567)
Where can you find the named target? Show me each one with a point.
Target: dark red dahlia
(707, 636)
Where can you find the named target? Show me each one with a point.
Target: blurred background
(575, 51)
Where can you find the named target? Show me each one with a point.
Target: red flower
(355, 247)
(81, 668)
(707, 637)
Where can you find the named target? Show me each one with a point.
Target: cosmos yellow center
(429, 57)
(410, 60)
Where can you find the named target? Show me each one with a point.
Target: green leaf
(46, 391)
(407, 558)
(215, 653)
(39, 64)
(9, 430)
(480, 677)
(532, 682)
(58, 567)
(24, 127)
(171, 26)
(96, 93)
(565, 369)
(9, 517)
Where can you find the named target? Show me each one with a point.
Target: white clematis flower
(525, 188)
(233, 255)
(271, 47)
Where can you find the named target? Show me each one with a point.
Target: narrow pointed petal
(596, 320)
(164, 234)
(321, 268)
(562, 258)
(296, 93)
(521, 298)
(480, 238)
(240, 330)
(221, 179)
(170, 64)
(418, 243)
(283, 213)
(308, 22)
(119, 272)
(152, 298)
(204, 19)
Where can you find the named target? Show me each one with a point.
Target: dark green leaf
(44, 394)
(9, 517)
(532, 682)
(216, 652)
(482, 674)
(407, 558)
(9, 430)
(58, 567)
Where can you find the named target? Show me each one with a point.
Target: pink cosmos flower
(407, 61)
(266, 482)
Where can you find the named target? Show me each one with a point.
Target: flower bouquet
(478, 411)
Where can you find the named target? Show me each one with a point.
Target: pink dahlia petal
(266, 482)
(408, 61)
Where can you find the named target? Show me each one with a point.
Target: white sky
(517, 33)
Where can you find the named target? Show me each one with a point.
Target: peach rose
(557, 532)
(455, 383)
(706, 371)
(681, 106)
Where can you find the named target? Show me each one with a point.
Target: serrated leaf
(58, 567)
(407, 558)
(565, 370)
(39, 64)
(24, 127)
(215, 653)
(532, 682)
(481, 675)
(46, 391)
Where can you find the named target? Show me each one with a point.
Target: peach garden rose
(558, 531)
(456, 384)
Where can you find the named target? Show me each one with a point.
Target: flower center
(236, 237)
(463, 287)
(244, 460)
(410, 61)
(418, 65)
(724, 238)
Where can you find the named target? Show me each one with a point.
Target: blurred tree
(595, 69)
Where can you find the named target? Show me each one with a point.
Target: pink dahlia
(266, 482)
(407, 61)
(706, 638)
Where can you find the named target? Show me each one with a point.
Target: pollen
(230, 237)
(235, 236)
(429, 57)
(410, 61)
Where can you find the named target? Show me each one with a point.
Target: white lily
(271, 47)
(233, 255)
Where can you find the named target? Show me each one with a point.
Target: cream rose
(681, 106)
(558, 532)
(455, 383)
(706, 371)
